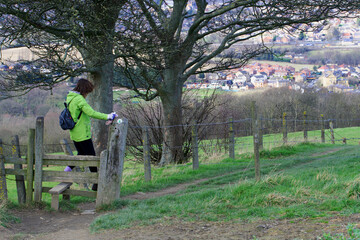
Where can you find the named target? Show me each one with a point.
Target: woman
(81, 112)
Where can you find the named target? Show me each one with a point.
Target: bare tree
(158, 44)
(68, 38)
(164, 42)
(197, 110)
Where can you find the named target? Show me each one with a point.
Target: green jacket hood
(71, 95)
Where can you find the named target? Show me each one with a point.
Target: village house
(281, 73)
(249, 70)
(299, 77)
(267, 71)
(239, 79)
(323, 68)
(290, 69)
(211, 76)
(259, 80)
(277, 82)
(327, 79)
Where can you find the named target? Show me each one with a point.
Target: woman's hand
(112, 116)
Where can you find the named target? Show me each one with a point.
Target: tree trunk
(101, 99)
(172, 151)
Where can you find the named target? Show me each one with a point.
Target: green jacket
(82, 129)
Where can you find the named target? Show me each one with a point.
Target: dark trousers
(86, 148)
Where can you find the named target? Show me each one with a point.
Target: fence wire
(215, 138)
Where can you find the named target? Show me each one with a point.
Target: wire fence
(222, 137)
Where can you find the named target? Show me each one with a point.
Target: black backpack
(65, 120)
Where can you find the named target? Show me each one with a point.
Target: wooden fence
(111, 161)
(110, 165)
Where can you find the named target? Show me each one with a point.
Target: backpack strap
(67, 105)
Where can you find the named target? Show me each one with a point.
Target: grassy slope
(295, 183)
(300, 185)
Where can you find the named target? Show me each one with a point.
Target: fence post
(39, 141)
(332, 132)
(30, 166)
(146, 151)
(255, 124)
(3, 189)
(322, 128)
(305, 127)
(261, 142)
(112, 164)
(20, 184)
(284, 127)
(195, 146)
(232, 139)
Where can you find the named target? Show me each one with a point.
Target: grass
(305, 180)
(5, 217)
(295, 184)
(352, 234)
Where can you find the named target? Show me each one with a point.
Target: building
(327, 79)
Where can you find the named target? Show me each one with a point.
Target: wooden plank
(79, 163)
(16, 172)
(112, 165)
(74, 192)
(71, 158)
(14, 160)
(20, 181)
(30, 166)
(3, 188)
(79, 177)
(60, 188)
(39, 138)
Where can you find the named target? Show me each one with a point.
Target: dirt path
(43, 225)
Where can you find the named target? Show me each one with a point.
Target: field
(297, 66)
(305, 185)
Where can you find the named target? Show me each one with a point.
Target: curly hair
(84, 86)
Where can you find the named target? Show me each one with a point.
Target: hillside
(306, 191)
